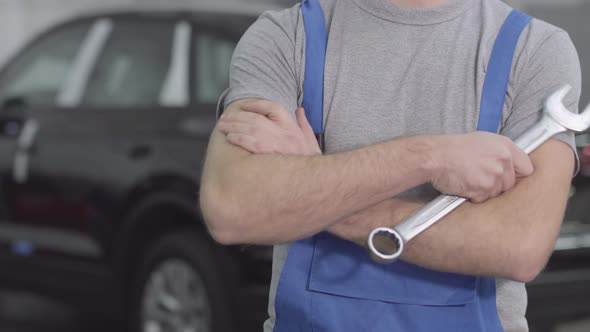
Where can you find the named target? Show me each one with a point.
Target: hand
(265, 127)
(478, 166)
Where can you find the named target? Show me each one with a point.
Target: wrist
(427, 151)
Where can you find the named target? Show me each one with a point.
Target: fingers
(308, 132)
(494, 165)
(304, 124)
(267, 108)
(229, 127)
(245, 117)
(249, 131)
(260, 135)
(523, 165)
(479, 198)
(251, 120)
(248, 143)
(516, 164)
(509, 180)
(259, 106)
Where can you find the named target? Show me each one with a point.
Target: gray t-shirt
(393, 71)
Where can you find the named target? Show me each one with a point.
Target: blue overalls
(328, 284)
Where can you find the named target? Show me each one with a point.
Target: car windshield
(102, 64)
(38, 74)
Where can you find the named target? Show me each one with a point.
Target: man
(403, 81)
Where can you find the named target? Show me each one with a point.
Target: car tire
(183, 284)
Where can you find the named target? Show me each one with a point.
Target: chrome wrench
(387, 244)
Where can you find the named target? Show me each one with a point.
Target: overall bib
(329, 284)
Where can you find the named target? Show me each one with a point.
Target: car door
(30, 84)
(116, 121)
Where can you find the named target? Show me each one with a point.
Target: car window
(38, 74)
(213, 56)
(133, 67)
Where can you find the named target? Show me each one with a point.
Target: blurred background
(105, 111)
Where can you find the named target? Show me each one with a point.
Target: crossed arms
(275, 195)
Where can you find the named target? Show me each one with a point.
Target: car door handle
(25, 142)
(140, 151)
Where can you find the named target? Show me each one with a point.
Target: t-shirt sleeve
(263, 64)
(551, 65)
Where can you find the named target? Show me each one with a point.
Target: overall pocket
(344, 269)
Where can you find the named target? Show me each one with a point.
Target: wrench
(387, 244)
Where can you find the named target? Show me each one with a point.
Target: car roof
(239, 18)
(213, 14)
(218, 10)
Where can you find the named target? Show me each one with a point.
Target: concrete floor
(21, 312)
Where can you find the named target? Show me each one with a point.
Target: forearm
(510, 236)
(277, 198)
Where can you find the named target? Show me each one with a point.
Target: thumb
(304, 124)
(523, 166)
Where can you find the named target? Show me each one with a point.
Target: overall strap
(498, 72)
(490, 117)
(315, 58)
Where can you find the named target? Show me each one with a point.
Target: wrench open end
(585, 119)
(571, 121)
(386, 245)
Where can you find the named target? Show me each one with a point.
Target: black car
(104, 122)
(562, 292)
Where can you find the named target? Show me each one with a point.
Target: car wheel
(181, 287)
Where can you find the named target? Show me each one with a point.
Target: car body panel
(108, 149)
